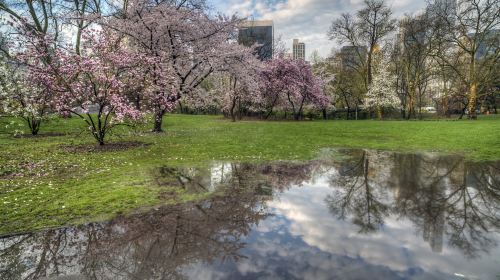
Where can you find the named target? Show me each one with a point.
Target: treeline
(110, 63)
(441, 61)
(444, 58)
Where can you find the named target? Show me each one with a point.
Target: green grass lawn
(46, 182)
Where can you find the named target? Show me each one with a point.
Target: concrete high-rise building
(259, 32)
(299, 50)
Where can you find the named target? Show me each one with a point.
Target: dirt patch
(109, 147)
(40, 135)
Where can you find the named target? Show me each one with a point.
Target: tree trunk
(158, 121)
(369, 66)
(239, 110)
(325, 117)
(181, 107)
(34, 125)
(472, 101)
(446, 107)
(296, 116)
(463, 112)
(231, 111)
(379, 113)
(410, 105)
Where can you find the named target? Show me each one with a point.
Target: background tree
(325, 70)
(349, 85)
(382, 92)
(293, 83)
(370, 25)
(466, 42)
(185, 44)
(22, 96)
(93, 84)
(413, 63)
(26, 22)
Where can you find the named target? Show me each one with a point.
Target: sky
(306, 20)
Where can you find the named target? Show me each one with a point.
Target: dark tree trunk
(239, 110)
(34, 125)
(463, 112)
(181, 107)
(158, 121)
(233, 116)
(137, 102)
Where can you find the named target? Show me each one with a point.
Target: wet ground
(354, 214)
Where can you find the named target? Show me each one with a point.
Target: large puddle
(347, 215)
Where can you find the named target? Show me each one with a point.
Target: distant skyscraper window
(258, 32)
(299, 50)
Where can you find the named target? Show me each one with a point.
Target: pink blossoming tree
(291, 83)
(185, 45)
(238, 80)
(22, 96)
(93, 85)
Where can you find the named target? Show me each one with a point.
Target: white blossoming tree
(382, 91)
(20, 97)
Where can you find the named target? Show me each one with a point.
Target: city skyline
(292, 16)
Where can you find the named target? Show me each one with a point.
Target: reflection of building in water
(420, 185)
(446, 200)
(433, 231)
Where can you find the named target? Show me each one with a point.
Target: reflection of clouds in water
(283, 221)
(200, 272)
(396, 245)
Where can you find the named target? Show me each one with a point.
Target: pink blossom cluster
(103, 74)
(291, 83)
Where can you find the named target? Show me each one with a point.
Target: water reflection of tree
(266, 178)
(447, 196)
(143, 246)
(356, 197)
(472, 208)
(450, 197)
(158, 244)
(442, 196)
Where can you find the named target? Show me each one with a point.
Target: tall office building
(299, 50)
(258, 32)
